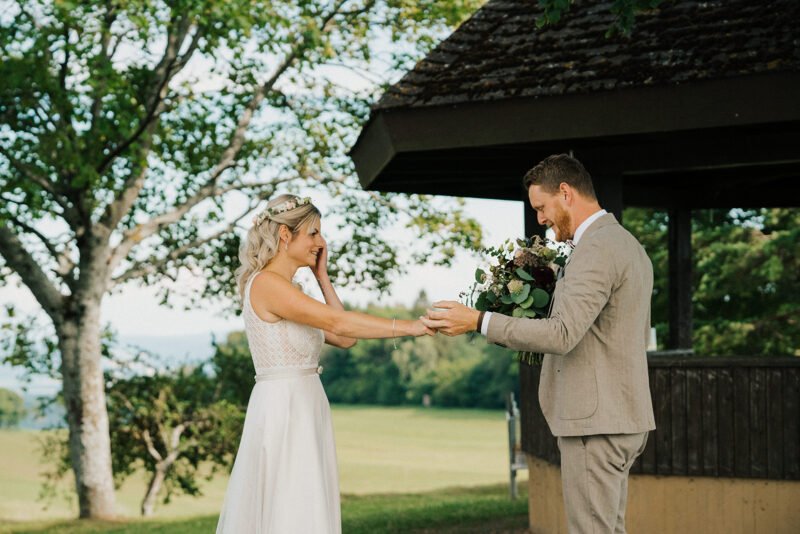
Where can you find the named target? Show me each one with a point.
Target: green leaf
(482, 303)
(540, 298)
(522, 274)
(518, 312)
(520, 297)
(531, 314)
(491, 297)
(527, 302)
(506, 299)
(480, 275)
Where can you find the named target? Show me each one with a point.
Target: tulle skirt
(284, 478)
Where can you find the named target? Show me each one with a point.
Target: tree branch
(126, 196)
(228, 158)
(32, 174)
(151, 266)
(151, 448)
(15, 255)
(142, 231)
(237, 139)
(65, 265)
(99, 93)
(169, 65)
(162, 74)
(174, 444)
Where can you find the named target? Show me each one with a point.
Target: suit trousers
(594, 476)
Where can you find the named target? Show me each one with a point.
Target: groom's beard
(562, 224)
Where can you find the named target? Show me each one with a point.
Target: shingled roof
(700, 101)
(500, 54)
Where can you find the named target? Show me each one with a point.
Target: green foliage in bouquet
(519, 282)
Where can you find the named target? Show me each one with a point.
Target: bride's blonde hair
(262, 240)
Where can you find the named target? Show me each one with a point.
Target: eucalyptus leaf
(527, 302)
(518, 312)
(482, 303)
(540, 298)
(520, 297)
(524, 275)
(480, 275)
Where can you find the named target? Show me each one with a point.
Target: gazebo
(699, 108)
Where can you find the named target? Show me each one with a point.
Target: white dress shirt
(578, 233)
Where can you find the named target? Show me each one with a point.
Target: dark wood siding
(717, 417)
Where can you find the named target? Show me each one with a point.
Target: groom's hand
(452, 319)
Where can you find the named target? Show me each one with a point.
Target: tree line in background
(745, 278)
(441, 371)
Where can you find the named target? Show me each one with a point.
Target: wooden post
(680, 278)
(609, 194)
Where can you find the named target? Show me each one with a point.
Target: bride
(284, 479)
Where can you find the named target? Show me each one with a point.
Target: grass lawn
(483, 510)
(388, 459)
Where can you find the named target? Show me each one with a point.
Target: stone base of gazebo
(676, 504)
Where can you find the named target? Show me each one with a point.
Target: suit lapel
(605, 220)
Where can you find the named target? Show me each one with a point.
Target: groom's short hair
(553, 170)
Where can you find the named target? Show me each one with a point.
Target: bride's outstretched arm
(320, 271)
(279, 297)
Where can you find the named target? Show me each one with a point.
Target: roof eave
(740, 101)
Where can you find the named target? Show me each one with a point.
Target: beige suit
(594, 379)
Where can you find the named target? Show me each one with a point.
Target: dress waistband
(287, 372)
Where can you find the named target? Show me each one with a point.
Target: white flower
(515, 286)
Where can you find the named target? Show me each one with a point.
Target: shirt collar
(585, 224)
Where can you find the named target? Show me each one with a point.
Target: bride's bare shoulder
(267, 282)
(267, 291)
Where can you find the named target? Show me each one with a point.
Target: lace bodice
(284, 344)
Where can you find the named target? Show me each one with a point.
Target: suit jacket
(594, 376)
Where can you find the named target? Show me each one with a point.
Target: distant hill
(190, 348)
(52, 418)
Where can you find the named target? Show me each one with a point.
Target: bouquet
(519, 282)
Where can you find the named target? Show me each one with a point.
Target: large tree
(137, 136)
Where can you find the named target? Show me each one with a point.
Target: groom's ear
(564, 190)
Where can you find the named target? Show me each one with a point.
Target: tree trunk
(85, 402)
(149, 502)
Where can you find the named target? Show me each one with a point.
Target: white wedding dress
(284, 479)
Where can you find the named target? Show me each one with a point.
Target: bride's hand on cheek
(321, 267)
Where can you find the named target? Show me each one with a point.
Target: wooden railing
(718, 417)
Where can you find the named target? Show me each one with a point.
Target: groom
(594, 389)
